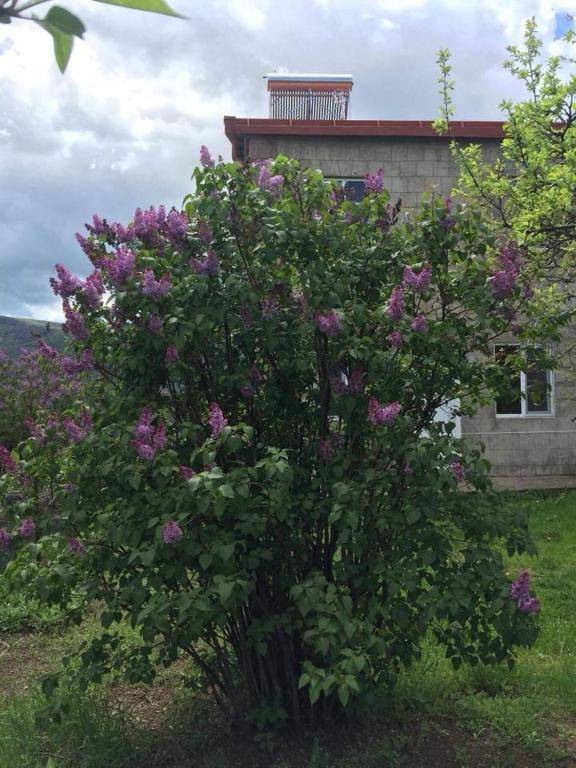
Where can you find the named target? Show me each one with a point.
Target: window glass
(510, 402)
(537, 390)
(353, 189)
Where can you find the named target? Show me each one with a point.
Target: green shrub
(265, 487)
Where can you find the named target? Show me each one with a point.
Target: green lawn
(489, 717)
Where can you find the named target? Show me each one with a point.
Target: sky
(122, 128)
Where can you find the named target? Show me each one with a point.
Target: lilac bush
(263, 485)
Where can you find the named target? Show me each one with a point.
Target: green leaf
(154, 6)
(66, 22)
(63, 43)
(343, 694)
(227, 491)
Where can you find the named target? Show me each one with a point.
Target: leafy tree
(265, 488)
(530, 192)
(64, 26)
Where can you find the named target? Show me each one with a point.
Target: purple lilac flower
(74, 324)
(67, 284)
(520, 593)
(76, 546)
(270, 307)
(27, 528)
(156, 288)
(204, 231)
(419, 324)
(216, 420)
(77, 430)
(275, 184)
(458, 470)
(504, 279)
(92, 290)
(176, 226)
(155, 324)
(99, 226)
(448, 221)
(356, 380)
(396, 304)
(7, 461)
(186, 472)
(121, 266)
(171, 532)
(328, 323)
(207, 267)
(171, 355)
(417, 281)
(382, 414)
(256, 375)
(5, 539)
(148, 439)
(247, 392)
(206, 158)
(395, 339)
(374, 182)
(264, 173)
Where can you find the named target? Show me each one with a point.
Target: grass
(474, 718)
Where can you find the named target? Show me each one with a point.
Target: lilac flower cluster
(186, 472)
(27, 528)
(204, 231)
(382, 414)
(5, 539)
(504, 279)
(76, 546)
(395, 339)
(67, 284)
(419, 324)
(78, 429)
(155, 324)
(7, 461)
(329, 323)
(270, 307)
(171, 533)
(148, 439)
(120, 266)
(395, 308)
(256, 378)
(171, 355)
(206, 267)
(156, 288)
(458, 471)
(448, 221)
(266, 180)
(520, 593)
(74, 324)
(374, 182)
(216, 420)
(206, 158)
(417, 281)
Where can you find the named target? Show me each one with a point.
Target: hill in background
(18, 332)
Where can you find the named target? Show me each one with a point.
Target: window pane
(354, 190)
(537, 394)
(510, 401)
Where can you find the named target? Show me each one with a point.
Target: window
(529, 393)
(353, 189)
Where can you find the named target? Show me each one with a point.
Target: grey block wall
(520, 447)
(411, 166)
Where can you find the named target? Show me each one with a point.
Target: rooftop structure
(308, 96)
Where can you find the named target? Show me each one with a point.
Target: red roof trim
(240, 127)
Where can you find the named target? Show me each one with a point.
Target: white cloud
(123, 126)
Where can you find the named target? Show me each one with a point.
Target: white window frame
(525, 414)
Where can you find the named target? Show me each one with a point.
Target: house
(529, 438)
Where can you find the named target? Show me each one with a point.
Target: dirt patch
(23, 659)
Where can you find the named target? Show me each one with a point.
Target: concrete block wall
(412, 166)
